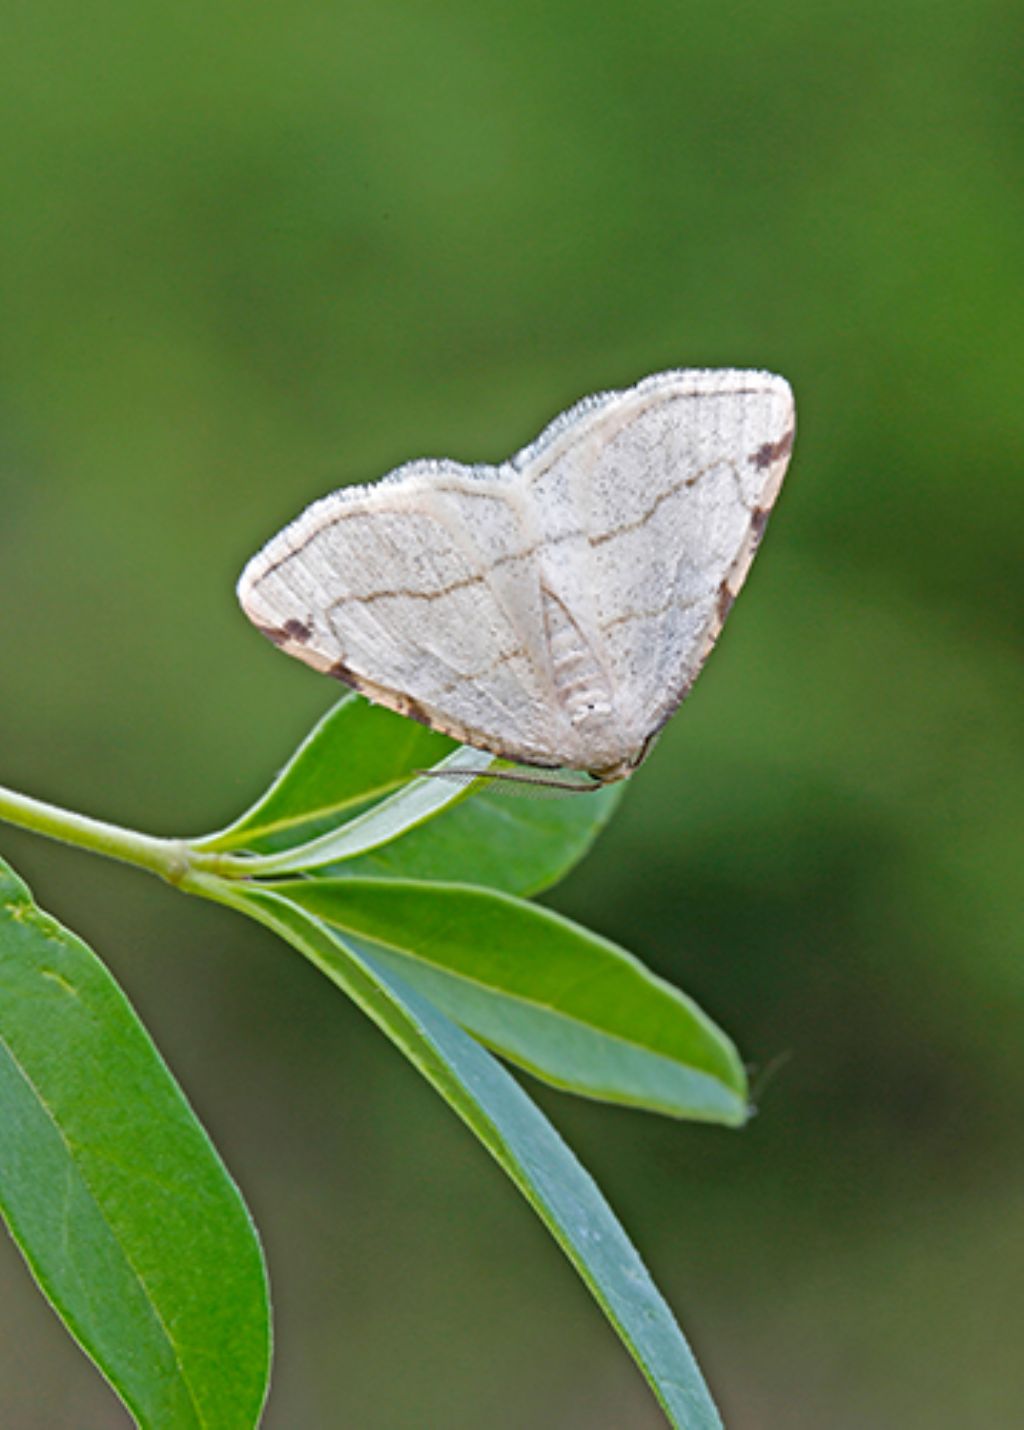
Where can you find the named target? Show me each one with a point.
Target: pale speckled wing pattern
(555, 609)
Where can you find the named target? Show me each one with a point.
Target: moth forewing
(553, 610)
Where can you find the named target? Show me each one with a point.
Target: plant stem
(171, 858)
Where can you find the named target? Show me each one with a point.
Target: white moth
(555, 609)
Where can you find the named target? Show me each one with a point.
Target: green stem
(170, 858)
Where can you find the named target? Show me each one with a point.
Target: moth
(554, 609)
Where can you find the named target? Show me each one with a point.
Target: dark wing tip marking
(340, 671)
(726, 597)
(415, 711)
(293, 632)
(758, 521)
(277, 635)
(770, 452)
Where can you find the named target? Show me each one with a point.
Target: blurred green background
(251, 252)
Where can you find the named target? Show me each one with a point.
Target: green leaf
(520, 1139)
(112, 1191)
(413, 805)
(357, 753)
(361, 752)
(501, 840)
(561, 1002)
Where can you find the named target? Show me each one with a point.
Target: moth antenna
(527, 783)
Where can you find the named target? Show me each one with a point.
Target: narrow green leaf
(413, 805)
(112, 1191)
(357, 753)
(520, 1139)
(561, 1002)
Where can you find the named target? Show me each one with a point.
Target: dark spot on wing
(297, 630)
(725, 600)
(274, 634)
(415, 711)
(759, 520)
(340, 671)
(771, 452)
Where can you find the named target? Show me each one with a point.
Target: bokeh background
(251, 252)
